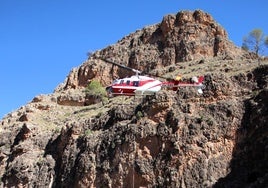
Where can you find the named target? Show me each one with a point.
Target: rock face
(171, 139)
(178, 38)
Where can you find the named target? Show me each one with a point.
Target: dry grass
(56, 116)
(195, 68)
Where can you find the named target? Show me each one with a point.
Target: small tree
(96, 90)
(254, 41)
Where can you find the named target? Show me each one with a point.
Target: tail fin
(201, 79)
(200, 83)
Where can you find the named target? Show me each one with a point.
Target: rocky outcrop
(171, 139)
(178, 38)
(184, 140)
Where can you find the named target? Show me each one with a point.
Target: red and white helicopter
(145, 85)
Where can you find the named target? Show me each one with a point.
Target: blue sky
(41, 41)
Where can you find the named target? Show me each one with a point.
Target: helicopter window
(128, 82)
(122, 81)
(136, 83)
(116, 81)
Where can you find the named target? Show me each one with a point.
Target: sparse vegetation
(57, 130)
(210, 121)
(88, 132)
(255, 41)
(95, 89)
(67, 114)
(200, 119)
(254, 93)
(139, 115)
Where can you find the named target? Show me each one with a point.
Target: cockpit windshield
(117, 81)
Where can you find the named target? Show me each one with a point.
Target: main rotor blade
(156, 75)
(134, 70)
(119, 65)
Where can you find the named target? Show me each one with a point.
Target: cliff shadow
(249, 167)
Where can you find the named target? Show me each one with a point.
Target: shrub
(88, 132)
(96, 90)
(139, 115)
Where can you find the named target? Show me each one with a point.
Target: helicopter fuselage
(135, 85)
(145, 85)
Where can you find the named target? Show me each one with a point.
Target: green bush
(96, 90)
(88, 132)
(139, 115)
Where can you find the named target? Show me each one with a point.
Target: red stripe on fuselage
(127, 86)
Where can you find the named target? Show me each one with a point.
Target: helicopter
(146, 85)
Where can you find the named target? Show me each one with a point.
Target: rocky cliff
(171, 139)
(187, 36)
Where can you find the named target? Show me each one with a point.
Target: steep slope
(171, 139)
(187, 36)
